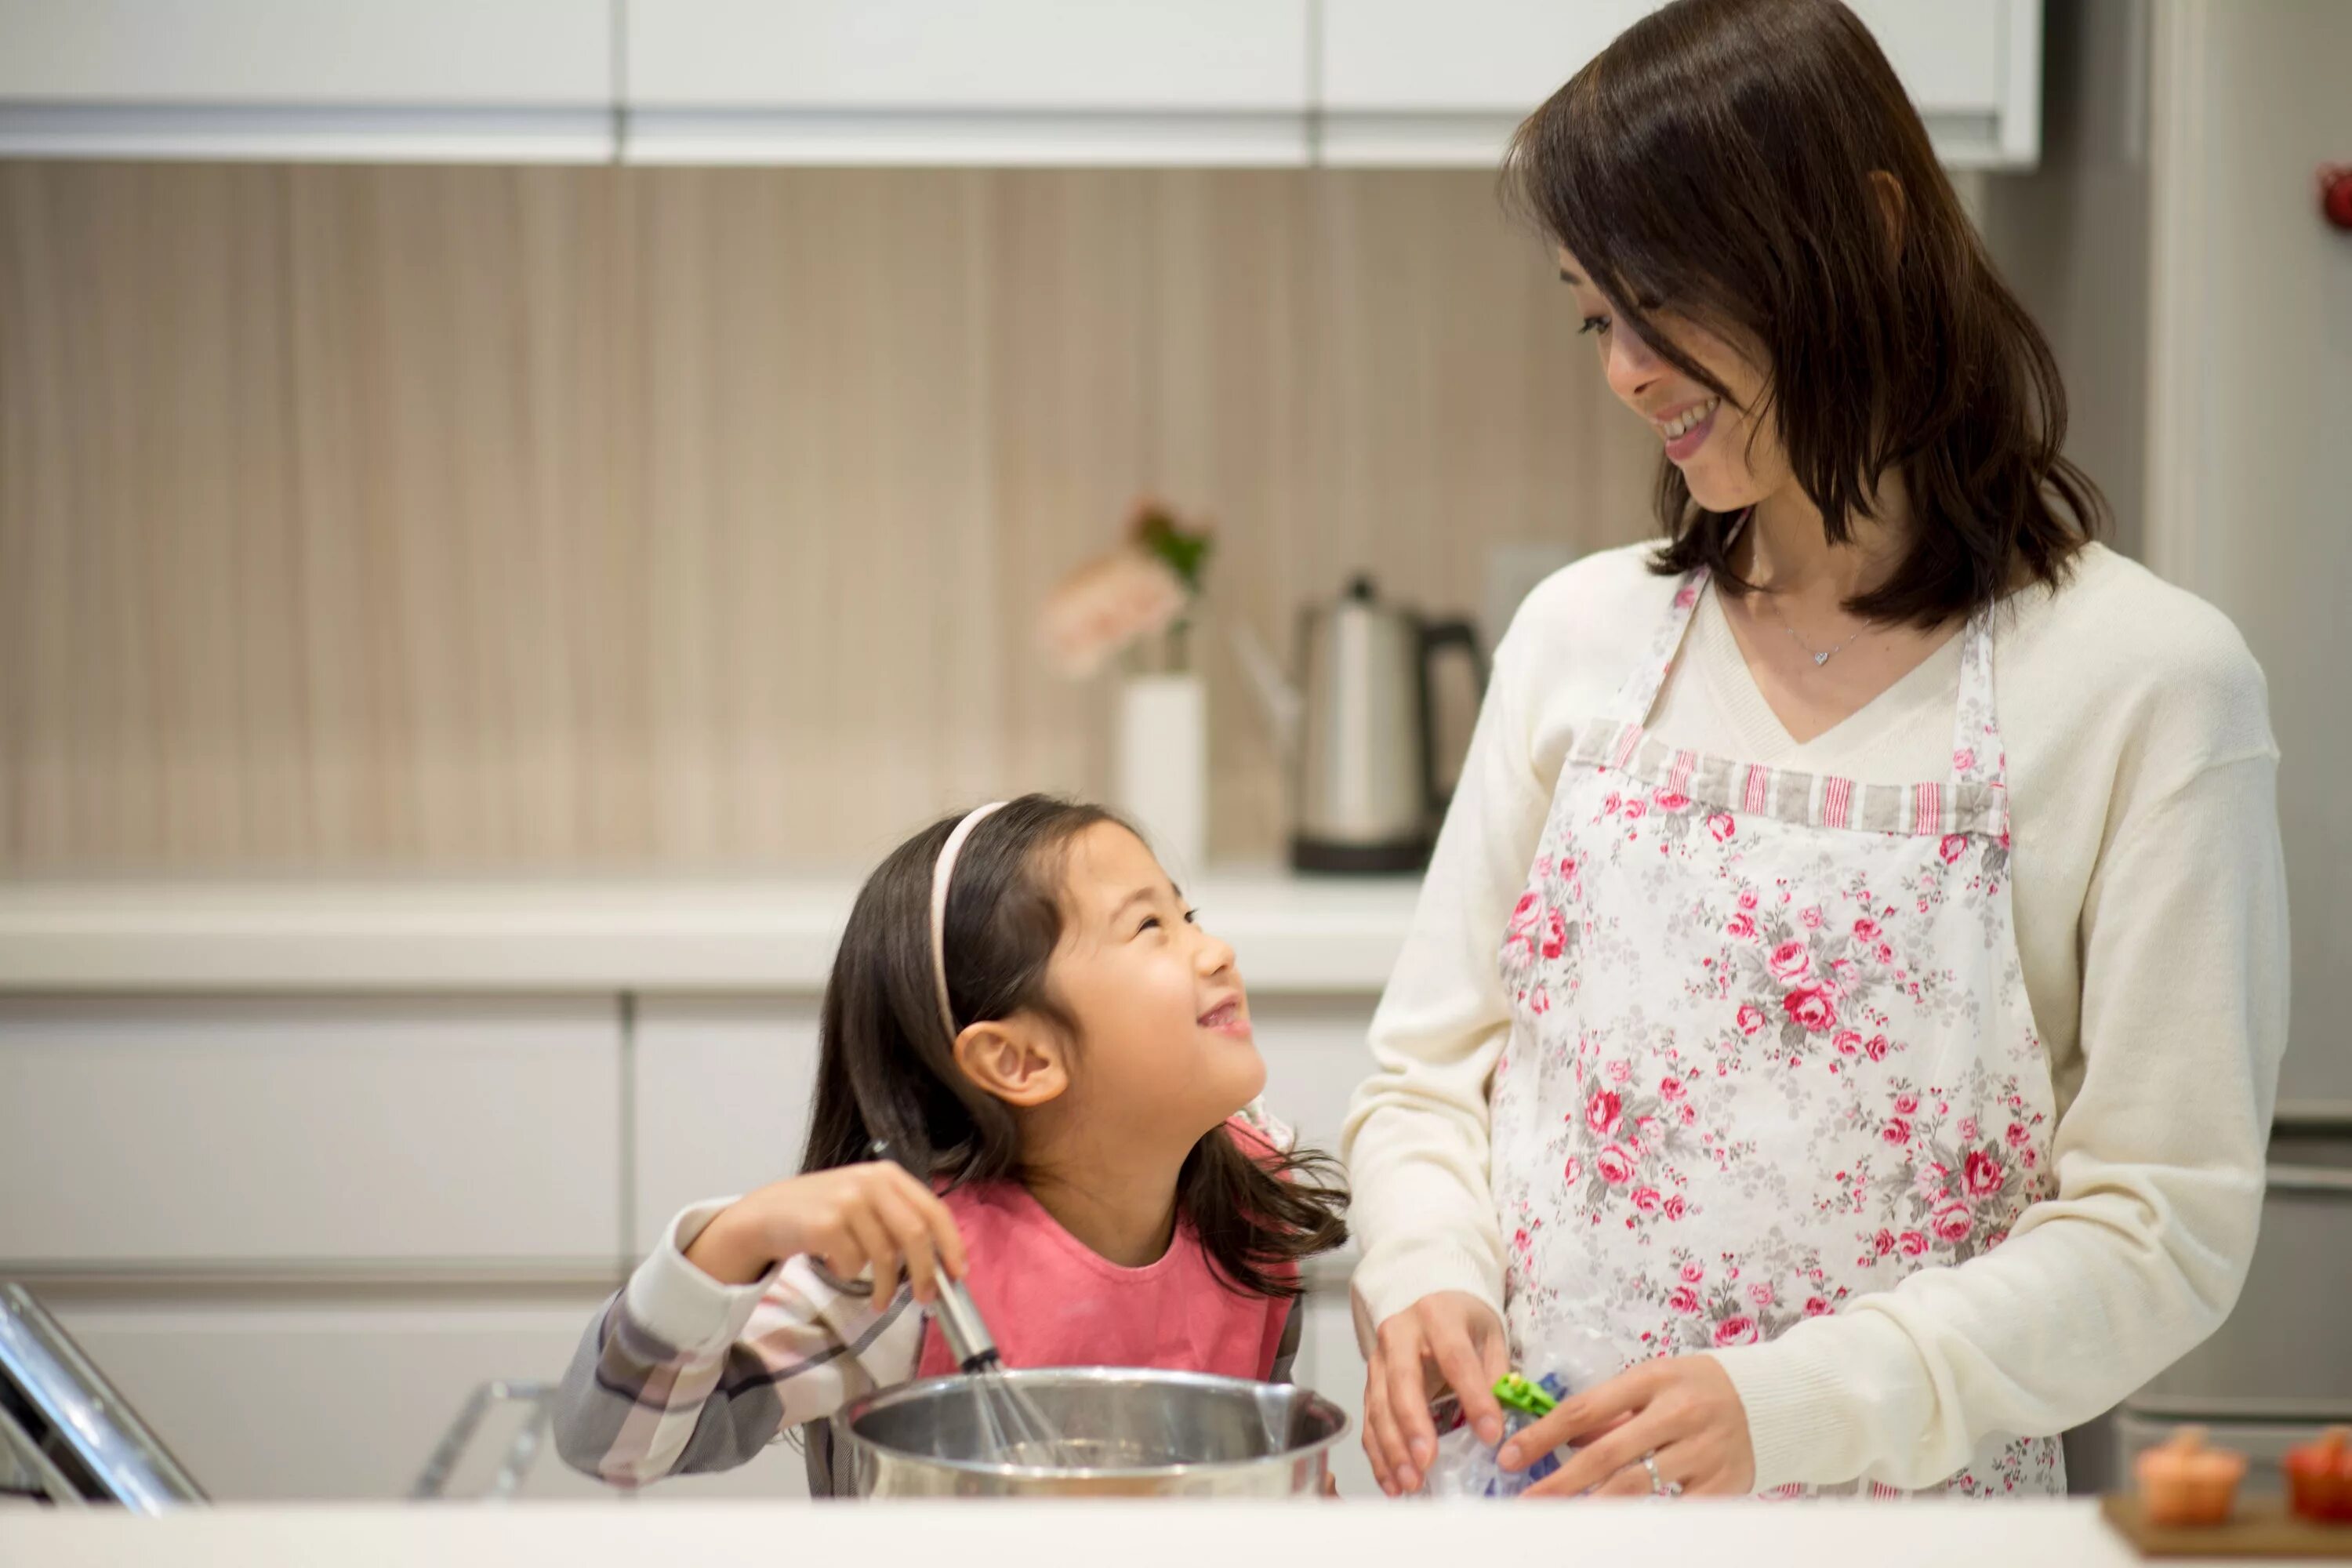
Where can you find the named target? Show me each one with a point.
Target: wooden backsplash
(471, 519)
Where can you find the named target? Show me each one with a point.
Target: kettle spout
(1277, 696)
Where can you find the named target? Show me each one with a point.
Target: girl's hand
(848, 1219)
(1449, 1338)
(1683, 1411)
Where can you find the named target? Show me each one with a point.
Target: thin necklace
(1820, 656)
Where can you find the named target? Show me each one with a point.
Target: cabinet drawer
(321, 1132)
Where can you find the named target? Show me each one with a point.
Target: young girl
(1022, 1008)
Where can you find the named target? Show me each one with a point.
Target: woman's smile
(1687, 428)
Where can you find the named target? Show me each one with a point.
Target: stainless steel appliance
(1360, 730)
(64, 1433)
(1134, 1433)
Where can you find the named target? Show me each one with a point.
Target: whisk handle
(968, 1338)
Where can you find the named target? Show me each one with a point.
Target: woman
(1885, 877)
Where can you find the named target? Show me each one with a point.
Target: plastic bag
(1466, 1467)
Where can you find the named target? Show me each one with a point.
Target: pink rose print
(1954, 844)
(1816, 1308)
(1813, 918)
(1867, 930)
(1635, 810)
(1685, 1301)
(1674, 1207)
(1810, 1006)
(1738, 1330)
(1898, 1133)
(1574, 1169)
(1690, 1119)
(1935, 1181)
(1876, 1047)
(1669, 800)
(1885, 953)
(1906, 1105)
(1646, 1130)
(1743, 926)
(1983, 1173)
(2018, 1136)
(1953, 1224)
(1646, 1199)
(1995, 1239)
(1913, 1244)
(1620, 1071)
(1670, 1089)
(1609, 806)
(1692, 1273)
(1555, 940)
(1883, 1243)
(1760, 1294)
(1964, 759)
(1689, 596)
(1540, 1000)
(1722, 826)
(1846, 1042)
(1751, 1018)
(1615, 1165)
(1969, 1128)
(1748, 901)
(1789, 960)
(1603, 1114)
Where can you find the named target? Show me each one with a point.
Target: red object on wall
(2335, 193)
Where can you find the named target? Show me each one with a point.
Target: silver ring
(1658, 1482)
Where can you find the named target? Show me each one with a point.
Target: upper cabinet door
(503, 79)
(1020, 82)
(1406, 82)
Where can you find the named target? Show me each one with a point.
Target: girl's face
(1730, 461)
(1164, 1042)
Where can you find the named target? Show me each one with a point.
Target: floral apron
(1772, 1048)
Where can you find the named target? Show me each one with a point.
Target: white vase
(1159, 767)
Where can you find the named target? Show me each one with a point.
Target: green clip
(1515, 1393)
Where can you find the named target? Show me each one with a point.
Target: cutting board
(2262, 1528)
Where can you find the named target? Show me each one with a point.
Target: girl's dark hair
(886, 1065)
(1716, 160)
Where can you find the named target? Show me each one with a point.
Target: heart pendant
(1821, 659)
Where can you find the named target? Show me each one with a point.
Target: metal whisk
(1015, 1430)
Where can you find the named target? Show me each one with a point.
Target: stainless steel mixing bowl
(1137, 1432)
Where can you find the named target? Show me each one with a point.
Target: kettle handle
(1435, 637)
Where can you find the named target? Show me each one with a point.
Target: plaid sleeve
(680, 1374)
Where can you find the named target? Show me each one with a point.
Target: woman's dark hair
(1717, 161)
(887, 1065)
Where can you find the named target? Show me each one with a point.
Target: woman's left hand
(1684, 1413)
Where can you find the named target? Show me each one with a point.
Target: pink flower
(1620, 1071)
(1722, 826)
(1906, 1105)
(1738, 1330)
(1954, 844)
(1615, 1165)
(1555, 934)
(1603, 1113)
(2018, 1136)
(1811, 1006)
(1750, 1019)
(1913, 1244)
(1106, 604)
(1690, 1115)
(1789, 960)
(1670, 1087)
(1964, 759)
(1995, 1239)
(1574, 1169)
(1883, 1242)
(1743, 926)
(1876, 1047)
(1760, 1294)
(1670, 800)
(1867, 930)
(1816, 1308)
(1846, 1042)
(1645, 1199)
(1609, 805)
(1953, 1224)
(1692, 1273)
(1635, 810)
(1748, 900)
(1646, 1130)
(1969, 1128)
(1540, 1000)
(1885, 953)
(1674, 1207)
(1813, 918)
(1898, 1132)
(1983, 1173)
(1933, 1181)
(1685, 1299)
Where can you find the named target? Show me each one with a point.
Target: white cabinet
(506, 81)
(719, 1087)
(1409, 83)
(936, 81)
(411, 1132)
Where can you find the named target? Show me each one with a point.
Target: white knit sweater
(2150, 902)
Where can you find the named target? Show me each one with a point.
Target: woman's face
(1728, 460)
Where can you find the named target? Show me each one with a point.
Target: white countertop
(1292, 933)
(1133, 1534)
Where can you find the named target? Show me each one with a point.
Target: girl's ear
(1020, 1060)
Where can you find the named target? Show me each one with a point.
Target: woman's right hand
(1448, 1339)
(848, 1218)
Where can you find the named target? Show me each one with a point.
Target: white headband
(942, 875)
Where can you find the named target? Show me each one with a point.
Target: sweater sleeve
(681, 1373)
(1415, 1140)
(2159, 1162)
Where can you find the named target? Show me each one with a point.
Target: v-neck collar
(1714, 654)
